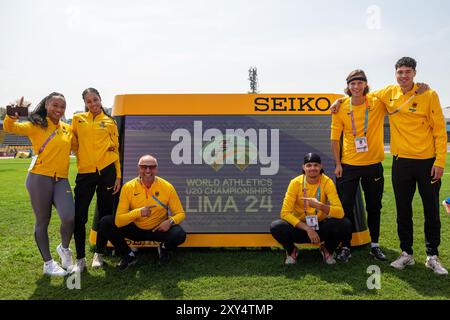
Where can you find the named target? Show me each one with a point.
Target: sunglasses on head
(144, 167)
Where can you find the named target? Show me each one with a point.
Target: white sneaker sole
(441, 274)
(411, 263)
(97, 265)
(56, 274)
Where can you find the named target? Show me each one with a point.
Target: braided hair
(39, 115)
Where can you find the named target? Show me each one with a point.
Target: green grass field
(233, 273)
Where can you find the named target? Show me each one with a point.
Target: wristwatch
(172, 222)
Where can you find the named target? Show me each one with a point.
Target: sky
(200, 46)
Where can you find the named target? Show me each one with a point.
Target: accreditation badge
(361, 144)
(312, 222)
(33, 162)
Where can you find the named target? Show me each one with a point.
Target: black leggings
(372, 182)
(406, 174)
(86, 185)
(332, 231)
(108, 229)
(45, 191)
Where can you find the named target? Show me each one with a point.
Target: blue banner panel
(231, 172)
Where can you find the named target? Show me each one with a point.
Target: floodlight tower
(253, 78)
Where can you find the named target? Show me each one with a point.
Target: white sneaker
(53, 269)
(97, 261)
(292, 258)
(404, 260)
(434, 264)
(65, 255)
(79, 266)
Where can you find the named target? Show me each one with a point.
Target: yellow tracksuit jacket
(134, 195)
(293, 208)
(418, 129)
(341, 122)
(54, 159)
(92, 138)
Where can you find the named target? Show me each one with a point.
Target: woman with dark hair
(97, 138)
(47, 182)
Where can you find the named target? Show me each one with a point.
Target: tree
(2, 113)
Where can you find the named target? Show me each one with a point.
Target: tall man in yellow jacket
(143, 214)
(419, 147)
(312, 213)
(360, 119)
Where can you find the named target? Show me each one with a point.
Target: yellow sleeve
(123, 214)
(115, 140)
(384, 95)
(336, 210)
(372, 98)
(74, 143)
(289, 203)
(438, 124)
(176, 208)
(117, 165)
(19, 128)
(337, 126)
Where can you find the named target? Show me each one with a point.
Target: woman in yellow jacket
(97, 152)
(47, 182)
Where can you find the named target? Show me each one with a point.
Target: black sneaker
(377, 254)
(344, 255)
(127, 261)
(163, 254)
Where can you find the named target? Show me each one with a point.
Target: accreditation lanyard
(306, 196)
(147, 190)
(48, 140)
(352, 118)
(403, 104)
(41, 149)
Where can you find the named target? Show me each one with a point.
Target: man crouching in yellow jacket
(311, 213)
(143, 214)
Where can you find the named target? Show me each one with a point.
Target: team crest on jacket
(413, 108)
(102, 124)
